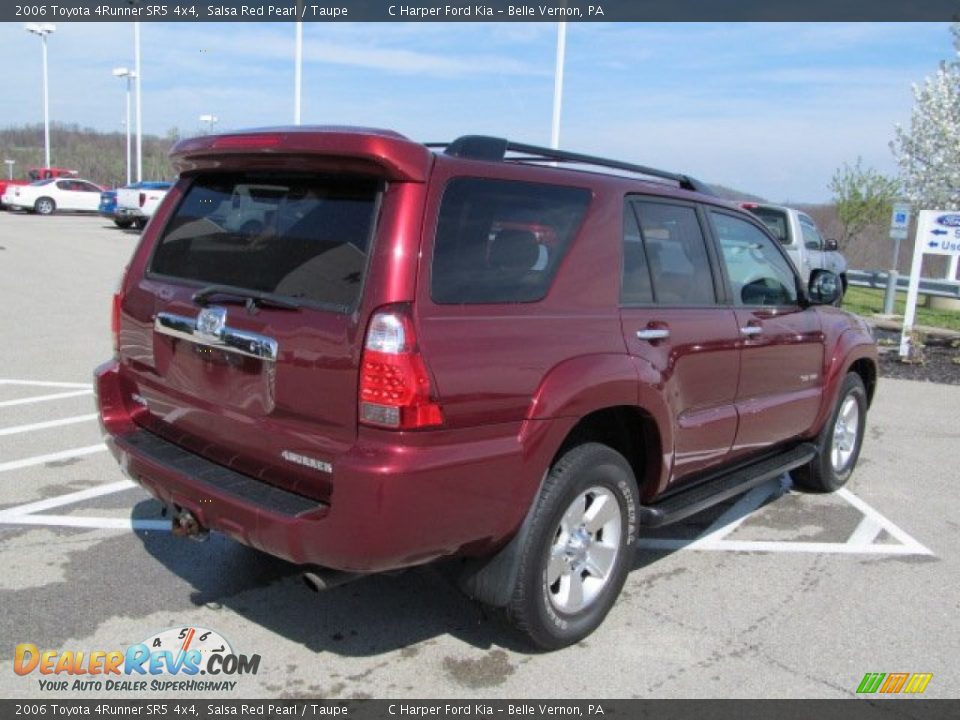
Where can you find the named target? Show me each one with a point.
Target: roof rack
(484, 147)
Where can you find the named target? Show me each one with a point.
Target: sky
(769, 109)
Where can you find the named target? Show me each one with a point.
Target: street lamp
(297, 71)
(210, 120)
(128, 74)
(43, 30)
(558, 84)
(10, 164)
(138, 74)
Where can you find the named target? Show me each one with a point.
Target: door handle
(653, 334)
(751, 330)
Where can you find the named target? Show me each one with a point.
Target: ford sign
(949, 220)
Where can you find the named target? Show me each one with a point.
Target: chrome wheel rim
(44, 206)
(584, 551)
(845, 431)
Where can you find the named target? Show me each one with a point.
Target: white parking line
(44, 398)
(28, 514)
(866, 532)
(69, 498)
(778, 546)
(902, 535)
(862, 540)
(51, 457)
(44, 383)
(92, 523)
(48, 424)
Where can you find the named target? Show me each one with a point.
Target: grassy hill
(97, 156)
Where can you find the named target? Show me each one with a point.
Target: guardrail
(878, 279)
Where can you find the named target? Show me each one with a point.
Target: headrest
(514, 250)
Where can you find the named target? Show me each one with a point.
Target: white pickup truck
(802, 240)
(136, 204)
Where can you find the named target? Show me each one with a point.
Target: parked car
(493, 353)
(804, 243)
(45, 197)
(109, 201)
(136, 203)
(34, 174)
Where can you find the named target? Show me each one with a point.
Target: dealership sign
(938, 233)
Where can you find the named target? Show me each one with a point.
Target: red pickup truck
(34, 174)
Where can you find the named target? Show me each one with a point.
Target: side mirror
(831, 245)
(824, 288)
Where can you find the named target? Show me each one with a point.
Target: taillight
(395, 389)
(115, 314)
(143, 199)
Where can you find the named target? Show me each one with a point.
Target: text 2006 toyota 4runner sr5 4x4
(482, 350)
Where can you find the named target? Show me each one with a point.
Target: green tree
(863, 197)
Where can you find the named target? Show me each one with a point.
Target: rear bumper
(127, 212)
(393, 505)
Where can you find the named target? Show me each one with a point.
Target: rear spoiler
(378, 151)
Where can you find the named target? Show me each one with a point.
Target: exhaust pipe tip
(320, 579)
(185, 524)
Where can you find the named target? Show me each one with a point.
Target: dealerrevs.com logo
(169, 661)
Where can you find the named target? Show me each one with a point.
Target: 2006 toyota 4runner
(486, 351)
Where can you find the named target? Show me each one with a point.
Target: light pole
(297, 72)
(10, 164)
(558, 85)
(210, 120)
(128, 74)
(43, 30)
(137, 75)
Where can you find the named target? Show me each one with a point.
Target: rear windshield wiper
(253, 298)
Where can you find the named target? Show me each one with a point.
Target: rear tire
(45, 206)
(579, 548)
(122, 223)
(140, 223)
(839, 443)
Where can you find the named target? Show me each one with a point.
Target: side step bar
(699, 497)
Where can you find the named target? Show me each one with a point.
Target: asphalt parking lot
(779, 594)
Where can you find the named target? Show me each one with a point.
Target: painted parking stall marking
(30, 513)
(863, 540)
(720, 536)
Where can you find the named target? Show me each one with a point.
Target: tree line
(97, 156)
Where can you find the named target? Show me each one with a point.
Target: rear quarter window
(501, 241)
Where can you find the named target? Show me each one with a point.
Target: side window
(811, 238)
(635, 285)
(676, 254)
(502, 241)
(64, 185)
(758, 272)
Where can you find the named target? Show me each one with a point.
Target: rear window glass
(775, 220)
(301, 237)
(501, 241)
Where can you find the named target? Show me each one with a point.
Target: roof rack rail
(484, 147)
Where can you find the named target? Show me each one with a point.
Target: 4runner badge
(211, 321)
(307, 461)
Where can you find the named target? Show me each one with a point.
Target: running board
(723, 487)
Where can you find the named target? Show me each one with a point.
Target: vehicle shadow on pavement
(367, 617)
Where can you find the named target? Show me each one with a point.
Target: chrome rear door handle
(653, 334)
(224, 338)
(751, 330)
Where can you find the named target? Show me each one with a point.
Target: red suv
(508, 355)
